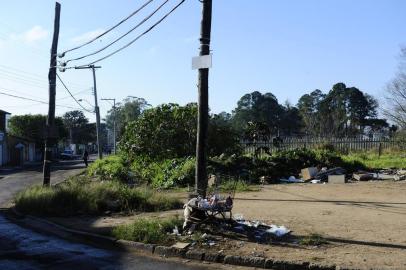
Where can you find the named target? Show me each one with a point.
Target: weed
(80, 195)
(313, 239)
(151, 231)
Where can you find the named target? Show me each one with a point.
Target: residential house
(3, 137)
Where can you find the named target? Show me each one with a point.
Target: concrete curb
(43, 225)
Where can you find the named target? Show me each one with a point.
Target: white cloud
(35, 34)
(87, 36)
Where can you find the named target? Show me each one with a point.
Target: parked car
(67, 154)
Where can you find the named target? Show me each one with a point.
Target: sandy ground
(365, 223)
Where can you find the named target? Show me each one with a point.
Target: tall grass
(82, 196)
(151, 231)
(373, 161)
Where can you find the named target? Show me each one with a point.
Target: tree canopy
(126, 111)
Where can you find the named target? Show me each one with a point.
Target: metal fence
(344, 145)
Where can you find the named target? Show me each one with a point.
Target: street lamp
(81, 100)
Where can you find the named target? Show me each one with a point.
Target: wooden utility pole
(50, 132)
(203, 111)
(96, 109)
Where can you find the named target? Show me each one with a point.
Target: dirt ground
(364, 223)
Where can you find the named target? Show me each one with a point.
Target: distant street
(15, 180)
(21, 248)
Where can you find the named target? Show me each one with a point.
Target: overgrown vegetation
(373, 161)
(113, 167)
(246, 170)
(151, 231)
(83, 196)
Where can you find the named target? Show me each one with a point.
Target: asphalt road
(21, 248)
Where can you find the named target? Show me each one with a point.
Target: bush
(147, 230)
(280, 164)
(166, 173)
(109, 168)
(82, 196)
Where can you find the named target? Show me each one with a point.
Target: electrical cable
(76, 93)
(110, 29)
(34, 76)
(39, 101)
(134, 40)
(64, 85)
(121, 37)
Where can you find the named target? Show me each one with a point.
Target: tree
(128, 110)
(166, 131)
(223, 138)
(75, 121)
(309, 109)
(169, 131)
(258, 108)
(342, 112)
(396, 94)
(33, 127)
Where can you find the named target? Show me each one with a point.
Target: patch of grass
(313, 239)
(112, 167)
(80, 195)
(240, 186)
(149, 231)
(373, 161)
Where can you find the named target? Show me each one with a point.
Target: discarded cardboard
(309, 173)
(323, 175)
(181, 245)
(362, 176)
(336, 179)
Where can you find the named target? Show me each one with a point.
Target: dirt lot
(364, 223)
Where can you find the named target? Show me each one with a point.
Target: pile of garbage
(258, 229)
(315, 176)
(338, 175)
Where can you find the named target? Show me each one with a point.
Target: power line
(39, 101)
(32, 76)
(121, 37)
(108, 30)
(138, 37)
(19, 92)
(76, 93)
(57, 75)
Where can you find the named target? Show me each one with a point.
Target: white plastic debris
(278, 231)
(315, 181)
(239, 217)
(176, 231)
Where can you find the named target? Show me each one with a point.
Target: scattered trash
(260, 230)
(238, 217)
(309, 173)
(279, 231)
(362, 176)
(315, 181)
(176, 231)
(211, 243)
(323, 175)
(336, 179)
(181, 245)
(291, 179)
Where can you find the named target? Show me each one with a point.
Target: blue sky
(287, 47)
